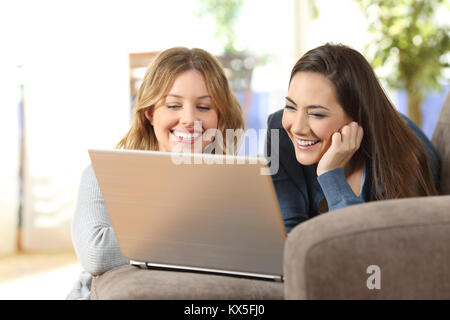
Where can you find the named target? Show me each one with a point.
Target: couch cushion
(129, 282)
(441, 141)
(336, 255)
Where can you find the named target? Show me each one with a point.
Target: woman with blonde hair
(155, 92)
(184, 95)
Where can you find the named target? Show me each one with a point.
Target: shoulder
(284, 150)
(274, 120)
(284, 145)
(88, 175)
(418, 133)
(432, 154)
(88, 172)
(88, 183)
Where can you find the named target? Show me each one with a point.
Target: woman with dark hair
(342, 142)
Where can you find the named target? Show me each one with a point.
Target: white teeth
(306, 142)
(186, 135)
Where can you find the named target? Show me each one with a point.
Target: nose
(300, 126)
(188, 116)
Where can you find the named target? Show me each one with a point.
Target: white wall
(75, 65)
(287, 29)
(76, 97)
(9, 189)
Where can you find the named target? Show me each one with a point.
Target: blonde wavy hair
(158, 80)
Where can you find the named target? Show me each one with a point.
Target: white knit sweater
(93, 236)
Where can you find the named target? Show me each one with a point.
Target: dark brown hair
(399, 164)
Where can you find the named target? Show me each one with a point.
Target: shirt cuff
(336, 189)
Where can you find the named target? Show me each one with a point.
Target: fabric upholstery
(129, 282)
(441, 141)
(327, 257)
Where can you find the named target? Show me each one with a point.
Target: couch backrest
(441, 141)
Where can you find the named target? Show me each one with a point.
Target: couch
(393, 249)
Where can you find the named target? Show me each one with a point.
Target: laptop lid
(194, 211)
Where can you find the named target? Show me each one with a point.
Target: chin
(306, 160)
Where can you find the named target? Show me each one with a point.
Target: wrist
(321, 171)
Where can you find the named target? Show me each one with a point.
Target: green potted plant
(408, 37)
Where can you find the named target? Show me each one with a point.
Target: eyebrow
(178, 96)
(313, 106)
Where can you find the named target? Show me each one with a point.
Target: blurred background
(69, 71)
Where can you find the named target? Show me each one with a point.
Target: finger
(336, 140)
(346, 133)
(354, 137)
(360, 135)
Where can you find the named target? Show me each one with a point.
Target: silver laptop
(196, 212)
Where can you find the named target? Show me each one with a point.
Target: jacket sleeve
(92, 234)
(337, 191)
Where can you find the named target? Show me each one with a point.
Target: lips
(185, 136)
(305, 144)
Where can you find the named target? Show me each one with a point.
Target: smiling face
(184, 114)
(311, 116)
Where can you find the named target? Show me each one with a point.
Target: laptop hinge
(148, 265)
(142, 265)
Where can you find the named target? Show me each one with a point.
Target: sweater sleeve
(92, 234)
(336, 189)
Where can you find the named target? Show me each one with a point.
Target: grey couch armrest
(336, 255)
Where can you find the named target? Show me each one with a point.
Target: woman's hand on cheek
(343, 146)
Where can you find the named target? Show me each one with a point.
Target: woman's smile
(185, 136)
(305, 144)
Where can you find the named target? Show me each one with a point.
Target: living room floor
(38, 276)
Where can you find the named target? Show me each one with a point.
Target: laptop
(196, 212)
